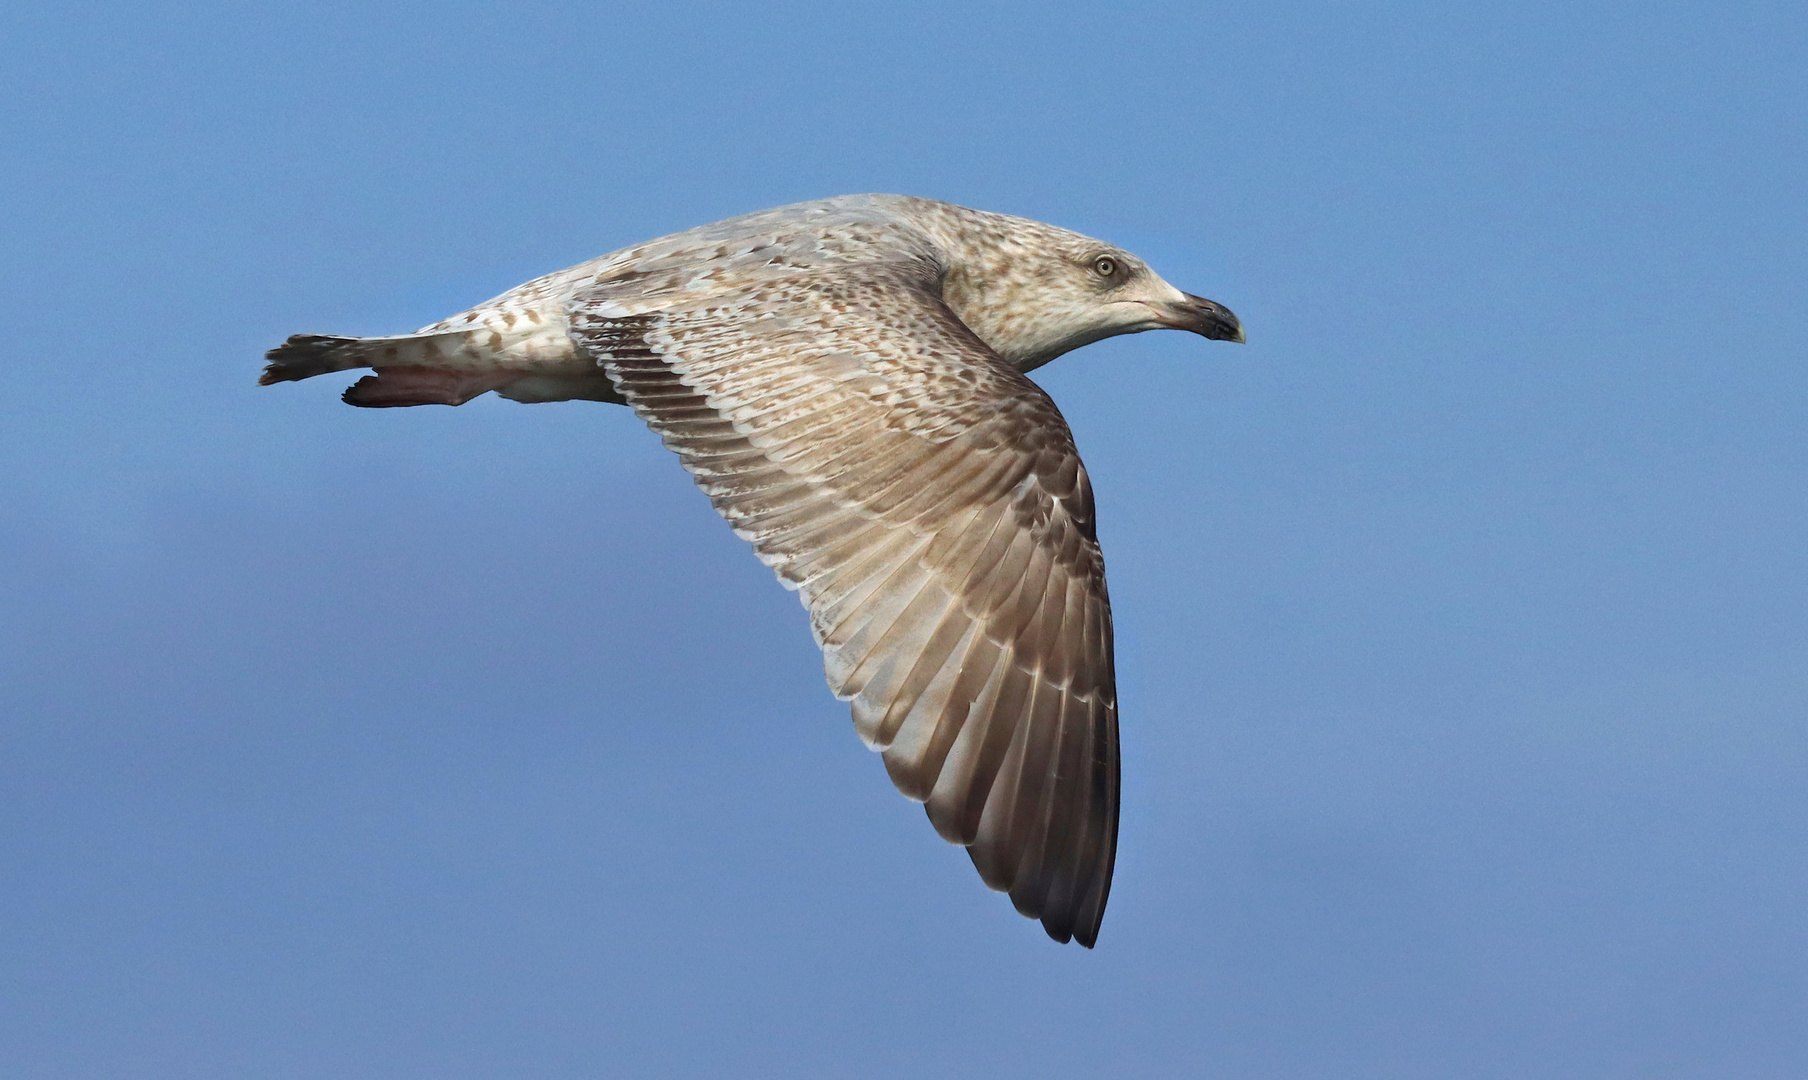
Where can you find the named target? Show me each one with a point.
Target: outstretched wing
(927, 503)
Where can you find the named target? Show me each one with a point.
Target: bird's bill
(1207, 318)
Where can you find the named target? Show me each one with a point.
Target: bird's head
(1032, 291)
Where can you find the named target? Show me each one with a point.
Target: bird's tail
(445, 368)
(304, 356)
(415, 369)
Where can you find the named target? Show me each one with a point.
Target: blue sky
(1463, 613)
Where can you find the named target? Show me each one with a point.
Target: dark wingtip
(1065, 930)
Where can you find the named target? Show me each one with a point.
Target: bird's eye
(1104, 266)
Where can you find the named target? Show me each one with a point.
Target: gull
(845, 379)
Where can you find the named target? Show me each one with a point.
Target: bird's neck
(982, 283)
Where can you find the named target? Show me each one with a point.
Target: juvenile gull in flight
(844, 379)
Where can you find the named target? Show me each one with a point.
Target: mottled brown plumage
(844, 379)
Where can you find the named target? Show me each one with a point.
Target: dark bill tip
(1207, 318)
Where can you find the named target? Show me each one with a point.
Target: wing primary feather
(992, 850)
(967, 770)
(1069, 796)
(892, 653)
(1029, 816)
(915, 730)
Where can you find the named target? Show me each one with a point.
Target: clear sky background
(1463, 613)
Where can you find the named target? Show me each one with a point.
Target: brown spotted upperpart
(844, 380)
